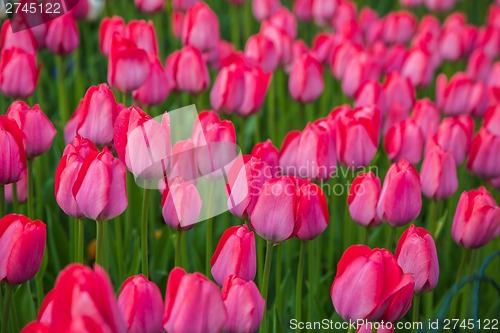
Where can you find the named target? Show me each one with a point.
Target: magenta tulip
(150, 6)
(62, 35)
(109, 26)
(181, 204)
(312, 212)
(186, 71)
(454, 134)
(156, 88)
(143, 34)
(306, 79)
(201, 28)
(404, 140)
(22, 39)
(263, 9)
(362, 200)
(262, 50)
(438, 174)
(426, 115)
(12, 154)
(18, 73)
(267, 152)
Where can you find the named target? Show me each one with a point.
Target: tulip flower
(141, 305)
(371, 93)
(454, 97)
(477, 219)
(235, 255)
(400, 199)
(487, 39)
(398, 27)
(341, 55)
(306, 79)
(404, 140)
(156, 88)
(426, 115)
(193, 304)
(492, 119)
(109, 26)
(181, 204)
(303, 9)
(362, 200)
(244, 305)
(438, 174)
(186, 71)
(281, 40)
(37, 130)
(22, 39)
(273, 217)
(21, 187)
(285, 20)
(323, 11)
(62, 35)
(36, 327)
(345, 15)
(416, 255)
(360, 68)
(312, 212)
(143, 34)
(177, 20)
(418, 67)
(183, 163)
(184, 4)
(128, 65)
(22, 242)
(482, 160)
(228, 90)
(454, 134)
(479, 65)
(262, 50)
(454, 37)
(267, 152)
(362, 279)
(439, 5)
(399, 94)
(201, 28)
(18, 73)
(150, 6)
(12, 153)
(323, 46)
(263, 9)
(83, 299)
(394, 58)
(256, 85)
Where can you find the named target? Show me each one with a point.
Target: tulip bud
(155, 90)
(363, 198)
(303, 9)
(306, 79)
(62, 35)
(150, 6)
(269, 154)
(37, 130)
(36, 327)
(228, 90)
(439, 5)
(454, 134)
(398, 27)
(109, 26)
(399, 93)
(360, 68)
(362, 279)
(371, 93)
(22, 189)
(323, 46)
(181, 204)
(454, 97)
(186, 71)
(401, 199)
(481, 160)
(12, 154)
(312, 212)
(184, 4)
(141, 305)
(201, 28)
(143, 34)
(418, 67)
(177, 20)
(438, 174)
(262, 50)
(22, 39)
(244, 305)
(479, 65)
(235, 255)
(416, 255)
(256, 85)
(22, 242)
(284, 19)
(18, 73)
(281, 40)
(394, 58)
(426, 116)
(404, 140)
(183, 163)
(477, 219)
(193, 304)
(263, 9)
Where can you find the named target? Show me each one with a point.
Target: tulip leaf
(440, 224)
(23, 306)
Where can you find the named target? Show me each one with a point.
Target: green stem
(311, 277)
(271, 112)
(279, 255)
(144, 232)
(208, 249)
(15, 202)
(9, 293)
(99, 242)
(300, 275)
(31, 191)
(80, 240)
(2, 200)
(460, 274)
(178, 248)
(119, 245)
(63, 105)
(351, 329)
(416, 306)
(235, 26)
(367, 235)
(433, 213)
(265, 282)
(392, 236)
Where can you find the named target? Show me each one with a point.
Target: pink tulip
(22, 189)
(416, 255)
(143, 34)
(109, 26)
(18, 73)
(262, 50)
(438, 174)
(183, 163)
(453, 39)
(150, 6)
(263, 9)
(303, 9)
(22, 242)
(186, 71)
(184, 4)
(256, 85)
(12, 153)
(323, 11)
(401, 199)
(22, 39)
(345, 14)
(399, 93)
(454, 134)
(481, 160)
(398, 27)
(323, 46)
(177, 19)
(477, 219)
(62, 35)
(201, 28)
(312, 212)
(193, 304)
(128, 65)
(439, 5)
(404, 140)
(393, 59)
(37, 130)
(244, 305)
(492, 119)
(479, 66)
(454, 97)
(299, 49)
(362, 278)
(360, 68)
(181, 204)
(267, 152)
(36, 327)
(228, 90)
(426, 115)
(281, 39)
(273, 217)
(410, 3)
(156, 88)
(235, 255)
(363, 198)
(141, 305)
(284, 20)
(371, 93)
(418, 67)
(341, 55)
(226, 49)
(245, 178)
(83, 300)
(306, 79)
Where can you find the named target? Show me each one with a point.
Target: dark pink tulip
(226, 49)
(426, 115)
(256, 85)
(36, 327)
(282, 41)
(306, 79)
(184, 5)
(439, 5)
(267, 152)
(177, 19)
(454, 97)
(37, 130)
(193, 304)
(201, 28)
(482, 160)
(273, 217)
(109, 26)
(181, 204)
(100, 186)
(303, 9)
(143, 34)
(186, 71)
(83, 300)
(141, 305)
(438, 174)
(404, 140)
(18, 73)
(477, 219)
(155, 90)
(345, 14)
(128, 65)
(370, 93)
(341, 55)
(263, 9)
(370, 24)
(374, 279)
(88, 10)
(228, 90)
(312, 212)
(22, 39)
(416, 255)
(454, 37)
(244, 305)
(12, 153)
(410, 3)
(393, 58)
(360, 68)
(183, 163)
(261, 49)
(235, 255)
(492, 119)
(401, 198)
(150, 6)
(299, 49)
(368, 328)
(285, 20)
(357, 136)
(22, 189)
(363, 198)
(398, 27)
(418, 67)
(399, 93)
(323, 46)
(487, 40)
(479, 66)
(22, 242)
(244, 180)
(323, 11)
(62, 35)
(454, 134)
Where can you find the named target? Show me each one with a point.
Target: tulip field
(240, 166)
